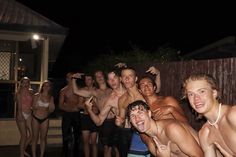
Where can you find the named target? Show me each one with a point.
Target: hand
(121, 65)
(161, 111)
(77, 75)
(153, 70)
(89, 104)
(119, 121)
(161, 149)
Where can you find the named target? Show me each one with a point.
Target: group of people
(127, 115)
(33, 110)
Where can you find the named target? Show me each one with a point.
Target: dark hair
(129, 68)
(149, 78)
(139, 103)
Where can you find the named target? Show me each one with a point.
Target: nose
(196, 97)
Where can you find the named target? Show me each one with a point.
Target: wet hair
(116, 71)
(21, 80)
(147, 77)
(129, 68)
(50, 84)
(139, 103)
(202, 76)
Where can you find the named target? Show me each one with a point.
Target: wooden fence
(174, 73)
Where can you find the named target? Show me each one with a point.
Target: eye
(190, 94)
(202, 91)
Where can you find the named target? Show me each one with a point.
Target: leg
(35, 130)
(86, 136)
(66, 122)
(29, 128)
(43, 136)
(93, 138)
(23, 136)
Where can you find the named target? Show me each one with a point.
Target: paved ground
(52, 151)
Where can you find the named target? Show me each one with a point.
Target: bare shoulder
(171, 125)
(36, 95)
(169, 99)
(63, 89)
(231, 115)
(204, 132)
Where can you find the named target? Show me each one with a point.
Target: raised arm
(154, 71)
(81, 92)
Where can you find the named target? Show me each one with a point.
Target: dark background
(100, 27)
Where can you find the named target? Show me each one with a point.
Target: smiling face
(139, 115)
(128, 78)
(201, 96)
(147, 87)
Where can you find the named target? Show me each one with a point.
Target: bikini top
(43, 104)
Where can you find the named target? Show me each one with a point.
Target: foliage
(136, 55)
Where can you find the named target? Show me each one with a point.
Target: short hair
(129, 68)
(149, 78)
(138, 103)
(202, 76)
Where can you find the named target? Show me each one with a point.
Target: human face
(200, 95)
(99, 77)
(128, 78)
(146, 87)
(113, 80)
(25, 83)
(89, 81)
(46, 87)
(140, 118)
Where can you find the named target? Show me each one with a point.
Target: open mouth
(140, 126)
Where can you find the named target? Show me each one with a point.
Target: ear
(215, 94)
(149, 113)
(136, 79)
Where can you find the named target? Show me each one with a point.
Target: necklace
(218, 117)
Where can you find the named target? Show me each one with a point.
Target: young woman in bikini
(24, 101)
(43, 106)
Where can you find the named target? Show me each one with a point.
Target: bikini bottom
(26, 115)
(40, 121)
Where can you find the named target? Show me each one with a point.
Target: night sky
(104, 27)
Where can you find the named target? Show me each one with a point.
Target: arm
(81, 92)
(154, 71)
(98, 119)
(51, 105)
(183, 139)
(122, 112)
(175, 109)
(147, 140)
(19, 116)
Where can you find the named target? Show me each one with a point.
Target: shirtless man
(161, 107)
(129, 79)
(218, 134)
(106, 117)
(88, 128)
(168, 134)
(70, 103)
(100, 95)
